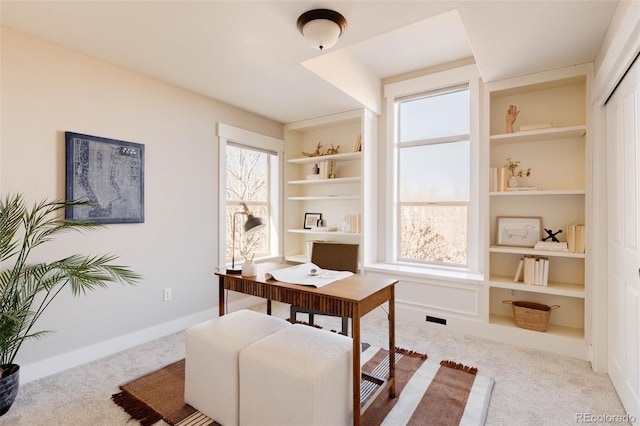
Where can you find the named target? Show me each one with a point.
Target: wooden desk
(351, 297)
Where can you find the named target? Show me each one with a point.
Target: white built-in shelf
(311, 231)
(347, 156)
(355, 179)
(532, 252)
(537, 193)
(558, 330)
(326, 197)
(540, 135)
(554, 287)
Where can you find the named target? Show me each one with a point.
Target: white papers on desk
(300, 274)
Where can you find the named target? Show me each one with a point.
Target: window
(433, 155)
(250, 170)
(433, 178)
(249, 177)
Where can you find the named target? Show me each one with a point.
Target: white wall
(47, 90)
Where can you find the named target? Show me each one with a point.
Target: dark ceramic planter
(9, 387)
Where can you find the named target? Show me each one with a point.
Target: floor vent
(436, 320)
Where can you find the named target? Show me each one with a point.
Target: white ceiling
(250, 54)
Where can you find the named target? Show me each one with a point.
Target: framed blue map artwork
(109, 174)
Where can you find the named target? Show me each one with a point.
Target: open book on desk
(307, 274)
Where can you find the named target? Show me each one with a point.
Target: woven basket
(530, 315)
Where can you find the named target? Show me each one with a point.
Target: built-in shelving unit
(557, 158)
(335, 198)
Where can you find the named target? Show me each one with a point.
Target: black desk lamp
(251, 225)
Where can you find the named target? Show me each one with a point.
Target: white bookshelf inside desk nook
(330, 184)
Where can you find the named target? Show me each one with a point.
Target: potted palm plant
(27, 289)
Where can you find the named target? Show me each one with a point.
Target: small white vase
(513, 182)
(249, 269)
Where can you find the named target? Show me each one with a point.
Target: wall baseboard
(59, 363)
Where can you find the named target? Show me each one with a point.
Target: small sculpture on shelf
(315, 153)
(552, 235)
(332, 169)
(332, 150)
(510, 118)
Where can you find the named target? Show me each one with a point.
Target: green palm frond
(11, 209)
(26, 290)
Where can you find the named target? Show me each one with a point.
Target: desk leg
(357, 377)
(392, 344)
(220, 296)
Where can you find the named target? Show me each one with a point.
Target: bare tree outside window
(248, 177)
(434, 234)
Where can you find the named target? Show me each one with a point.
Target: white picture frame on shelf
(518, 231)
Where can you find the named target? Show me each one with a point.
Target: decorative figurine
(332, 150)
(512, 114)
(332, 169)
(552, 235)
(315, 153)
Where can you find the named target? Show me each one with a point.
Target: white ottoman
(297, 376)
(211, 357)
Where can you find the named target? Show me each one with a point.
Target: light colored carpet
(531, 388)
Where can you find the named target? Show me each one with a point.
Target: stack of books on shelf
(575, 238)
(498, 179)
(355, 222)
(532, 270)
(551, 246)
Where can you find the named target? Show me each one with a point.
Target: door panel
(623, 186)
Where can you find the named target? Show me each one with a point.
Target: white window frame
(244, 138)
(431, 83)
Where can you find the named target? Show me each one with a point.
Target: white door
(623, 188)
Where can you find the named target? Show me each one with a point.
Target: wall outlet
(166, 294)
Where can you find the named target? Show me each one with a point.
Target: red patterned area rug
(428, 393)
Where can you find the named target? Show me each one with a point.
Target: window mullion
(434, 141)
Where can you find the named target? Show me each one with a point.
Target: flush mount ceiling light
(321, 27)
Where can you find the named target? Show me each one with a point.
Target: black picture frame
(312, 220)
(109, 173)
